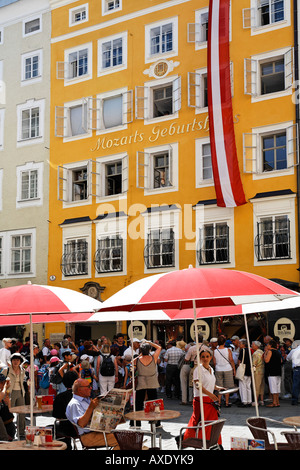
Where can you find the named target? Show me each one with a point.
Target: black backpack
(107, 368)
(55, 377)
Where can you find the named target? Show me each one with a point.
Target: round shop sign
(203, 329)
(284, 328)
(139, 330)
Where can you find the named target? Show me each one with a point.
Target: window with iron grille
(75, 258)
(273, 238)
(160, 249)
(214, 244)
(109, 255)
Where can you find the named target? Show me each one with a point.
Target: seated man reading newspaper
(94, 415)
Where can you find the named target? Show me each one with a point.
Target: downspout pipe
(296, 61)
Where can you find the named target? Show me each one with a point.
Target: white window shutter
(250, 153)
(61, 113)
(194, 32)
(62, 70)
(95, 178)
(92, 110)
(125, 174)
(292, 146)
(288, 68)
(62, 183)
(142, 173)
(128, 107)
(249, 18)
(250, 77)
(171, 165)
(176, 94)
(141, 102)
(84, 114)
(194, 90)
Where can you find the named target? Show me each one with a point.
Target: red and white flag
(228, 184)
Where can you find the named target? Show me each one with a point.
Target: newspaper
(108, 414)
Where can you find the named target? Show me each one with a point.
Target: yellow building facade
(131, 184)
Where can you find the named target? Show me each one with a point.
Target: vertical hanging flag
(228, 184)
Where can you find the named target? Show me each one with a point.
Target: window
(74, 183)
(157, 168)
(204, 171)
(18, 253)
(78, 15)
(270, 150)
(160, 249)
(269, 73)
(71, 120)
(31, 66)
(270, 11)
(2, 112)
(109, 255)
(32, 26)
(110, 110)
(198, 32)
(77, 65)
(29, 184)
(214, 244)
(161, 39)
(110, 6)
(161, 100)
(273, 238)
(21, 246)
(274, 227)
(30, 124)
(112, 54)
(74, 261)
(265, 15)
(214, 234)
(111, 175)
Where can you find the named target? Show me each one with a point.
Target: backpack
(56, 378)
(107, 368)
(45, 380)
(87, 374)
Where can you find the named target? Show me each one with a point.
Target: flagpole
(199, 378)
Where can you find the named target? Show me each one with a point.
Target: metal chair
(92, 447)
(196, 442)
(293, 438)
(259, 430)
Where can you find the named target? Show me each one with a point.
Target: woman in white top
(208, 381)
(224, 367)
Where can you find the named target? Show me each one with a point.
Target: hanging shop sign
(139, 330)
(284, 328)
(203, 329)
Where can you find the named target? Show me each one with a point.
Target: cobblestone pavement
(235, 425)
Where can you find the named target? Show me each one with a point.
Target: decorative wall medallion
(161, 68)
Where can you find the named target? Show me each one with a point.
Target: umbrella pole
(132, 367)
(199, 378)
(251, 365)
(31, 372)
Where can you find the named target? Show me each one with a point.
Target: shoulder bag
(240, 371)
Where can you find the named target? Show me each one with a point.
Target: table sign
(242, 443)
(154, 405)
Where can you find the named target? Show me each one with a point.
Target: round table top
(21, 445)
(152, 416)
(24, 409)
(292, 420)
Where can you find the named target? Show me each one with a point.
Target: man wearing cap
(235, 349)
(7, 427)
(136, 344)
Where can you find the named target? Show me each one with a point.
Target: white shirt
(294, 357)
(4, 356)
(207, 378)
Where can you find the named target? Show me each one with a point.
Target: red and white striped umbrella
(44, 304)
(203, 287)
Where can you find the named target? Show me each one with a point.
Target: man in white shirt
(136, 344)
(5, 351)
(294, 357)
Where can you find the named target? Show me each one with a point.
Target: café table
(21, 445)
(152, 417)
(25, 409)
(292, 421)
